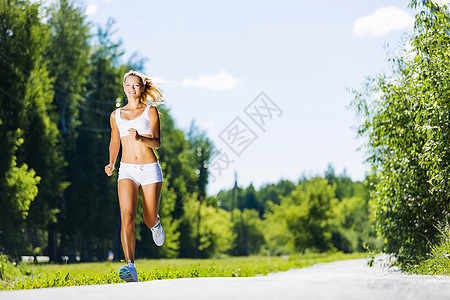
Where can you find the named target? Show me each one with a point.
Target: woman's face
(133, 86)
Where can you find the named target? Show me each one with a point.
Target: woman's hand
(109, 169)
(133, 133)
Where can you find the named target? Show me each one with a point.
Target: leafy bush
(438, 262)
(405, 119)
(7, 269)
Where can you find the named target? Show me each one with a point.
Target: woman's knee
(128, 218)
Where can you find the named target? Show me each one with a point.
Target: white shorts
(141, 174)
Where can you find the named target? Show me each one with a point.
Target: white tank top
(141, 123)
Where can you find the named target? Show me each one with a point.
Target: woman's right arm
(114, 145)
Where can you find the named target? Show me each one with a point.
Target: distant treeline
(59, 84)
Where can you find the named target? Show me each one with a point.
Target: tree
(306, 214)
(344, 184)
(249, 230)
(216, 234)
(202, 147)
(41, 150)
(30, 137)
(351, 225)
(176, 153)
(20, 189)
(272, 193)
(68, 63)
(92, 204)
(404, 118)
(252, 199)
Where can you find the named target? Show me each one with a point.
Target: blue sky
(303, 55)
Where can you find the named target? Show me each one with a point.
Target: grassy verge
(29, 276)
(438, 262)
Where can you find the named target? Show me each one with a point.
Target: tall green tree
(92, 204)
(68, 63)
(249, 231)
(42, 151)
(252, 199)
(216, 234)
(344, 184)
(306, 215)
(202, 148)
(404, 118)
(176, 153)
(29, 138)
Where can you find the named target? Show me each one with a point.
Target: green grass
(29, 276)
(438, 261)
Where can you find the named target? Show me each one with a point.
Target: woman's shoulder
(113, 113)
(152, 109)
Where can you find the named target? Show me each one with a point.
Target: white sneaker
(158, 234)
(128, 273)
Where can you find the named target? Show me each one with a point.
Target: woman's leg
(150, 203)
(128, 198)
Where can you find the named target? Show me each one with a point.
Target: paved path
(350, 279)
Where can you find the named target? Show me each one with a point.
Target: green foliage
(40, 135)
(405, 119)
(438, 261)
(8, 272)
(344, 184)
(279, 240)
(306, 214)
(250, 232)
(249, 198)
(68, 57)
(177, 156)
(24, 89)
(201, 150)
(145, 247)
(215, 234)
(21, 189)
(91, 225)
(351, 225)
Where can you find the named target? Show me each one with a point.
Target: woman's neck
(134, 103)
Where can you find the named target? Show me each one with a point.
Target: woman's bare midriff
(133, 152)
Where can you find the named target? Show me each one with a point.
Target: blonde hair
(151, 94)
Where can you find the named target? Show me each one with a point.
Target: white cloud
(91, 9)
(219, 81)
(383, 21)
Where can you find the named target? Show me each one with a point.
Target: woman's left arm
(155, 140)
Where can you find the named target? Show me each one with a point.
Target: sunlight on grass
(29, 276)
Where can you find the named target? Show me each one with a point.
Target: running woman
(136, 126)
